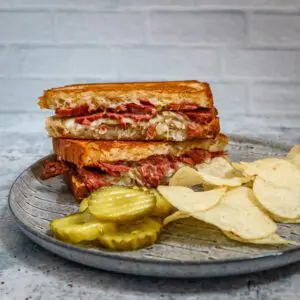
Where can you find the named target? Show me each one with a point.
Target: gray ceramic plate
(186, 248)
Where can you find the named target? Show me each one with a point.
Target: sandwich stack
(129, 133)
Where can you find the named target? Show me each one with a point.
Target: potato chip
(218, 167)
(218, 181)
(237, 213)
(278, 201)
(238, 166)
(186, 176)
(217, 172)
(279, 172)
(220, 172)
(272, 239)
(208, 187)
(294, 155)
(286, 221)
(187, 200)
(175, 216)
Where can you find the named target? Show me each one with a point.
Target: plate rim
(115, 255)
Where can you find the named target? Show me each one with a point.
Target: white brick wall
(68, 61)
(275, 99)
(100, 27)
(269, 29)
(166, 62)
(262, 64)
(197, 28)
(25, 26)
(21, 94)
(249, 50)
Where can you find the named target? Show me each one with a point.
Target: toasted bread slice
(76, 186)
(90, 153)
(158, 129)
(109, 95)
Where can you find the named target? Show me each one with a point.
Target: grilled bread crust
(89, 153)
(56, 128)
(76, 186)
(109, 95)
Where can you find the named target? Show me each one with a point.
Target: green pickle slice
(120, 218)
(84, 204)
(162, 207)
(79, 227)
(121, 204)
(132, 236)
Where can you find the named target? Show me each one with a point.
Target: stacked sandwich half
(129, 133)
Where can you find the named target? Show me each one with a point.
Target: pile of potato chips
(242, 199)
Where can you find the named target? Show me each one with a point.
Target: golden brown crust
(91, 153)
(57, 128)
(102, 95)
(76, 186)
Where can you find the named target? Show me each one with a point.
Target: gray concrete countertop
(29, 272)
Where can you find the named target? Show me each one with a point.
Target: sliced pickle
(132, 236)
(85, 232)
(80, 227)
(162, 207)
(77, 218)
(84, 204)
(110, 190)
(121, 204)
(141, 188)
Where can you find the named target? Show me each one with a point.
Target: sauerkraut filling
(165, 125)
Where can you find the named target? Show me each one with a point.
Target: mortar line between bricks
(148, 23)
(152, 45)
(220, 53)
(195, 8)
(248, 98)
(82, 77)
(247, 33)
(54, 29)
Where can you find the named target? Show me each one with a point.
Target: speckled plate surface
(186, 248)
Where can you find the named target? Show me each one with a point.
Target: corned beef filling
(143, 108)
(151, 131)
(144, 111)
(201, 117)
(54, 168)
(151, 171)
(92, 180)
(72, 112)
(87, 120)
(113, 169)
(182, 106)
(193, 130)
